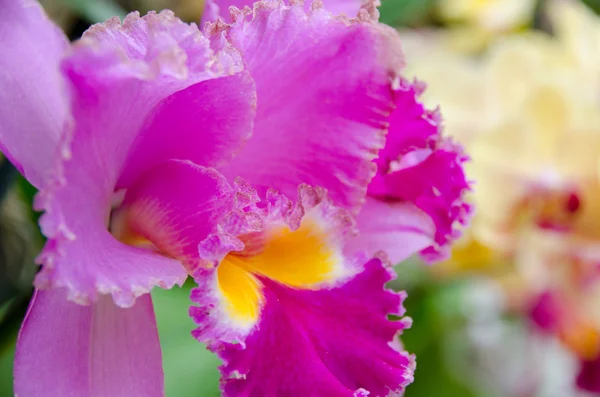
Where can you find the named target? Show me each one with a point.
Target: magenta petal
(205, 123)
(122, 77)
(424, 169)
(546, 311)
(176, 206)
(69, 350)
(331, 342)
(588, 378)
(289, 313)
(34, 107)
(324, 95)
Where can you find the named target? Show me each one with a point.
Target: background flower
(531, 124)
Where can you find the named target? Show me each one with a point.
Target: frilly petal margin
(177, 205)
(333, 338)
(69, 350)
(422, 168)
(214, 9)
(275, 209)
(34, 103)
(329, 342)
(120, 75)
(324, 89)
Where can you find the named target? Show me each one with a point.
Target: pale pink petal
(69, 350)
(324, 93)
(400, 228)
(34, 106)
(123, 78)
(214, 9)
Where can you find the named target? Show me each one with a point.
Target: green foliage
(405, 12)
(6, 371)
(593, 4)
(435, 312)
(28, 192)
(95, 10)
(190, 369)
(11, 316)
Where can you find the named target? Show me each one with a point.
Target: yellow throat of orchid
(301, 259)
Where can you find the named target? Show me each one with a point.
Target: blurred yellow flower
(454, 81)
(492, 15)
(476, 22)
(536, 161)
(529, 113)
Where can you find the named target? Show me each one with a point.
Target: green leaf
(432, 378)
(430, 308)
(190, 369)
(95, 10)
(20, 240)
(11, 316)
(593, 4)
(28, 192)
(405, 12)
(411, 273)
(6, 371)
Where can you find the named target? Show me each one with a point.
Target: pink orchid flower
(415, 202)
(238, 155)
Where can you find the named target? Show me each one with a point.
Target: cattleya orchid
(238, 155)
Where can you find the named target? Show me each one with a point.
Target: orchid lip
(301, 259)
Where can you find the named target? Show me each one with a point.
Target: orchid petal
(128, 80)
(324, 92)
(69, 350)
(214, 9)
(334, 342)
(420, 168)
(401, 229)
(290, 314)
(34, 105)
